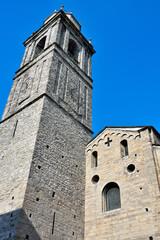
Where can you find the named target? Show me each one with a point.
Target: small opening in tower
(140, 188)
(37, 199)
(30, 215)
(13, 198)
(27, 236)
(150, 238)
(53, 194)
(146, 209)
(72, 233)
(135, 155)
(11, 214)
(40, 46)
(76, 166)
(62, 156)
(74, 216)
(47, 146)
(10, 235)
(39, 167)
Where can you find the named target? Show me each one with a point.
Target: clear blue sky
(126, 66)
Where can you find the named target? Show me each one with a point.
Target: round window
(131, 168)
(95, 178)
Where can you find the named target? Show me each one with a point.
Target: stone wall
(138, 217)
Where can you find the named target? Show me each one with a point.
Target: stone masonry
(139, 215)
(47, 188)
(44, 129)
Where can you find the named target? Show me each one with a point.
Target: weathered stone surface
(138, 217)
(44, 129)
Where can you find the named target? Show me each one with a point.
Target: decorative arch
(40, 46)
(111, 197)
(124, 148)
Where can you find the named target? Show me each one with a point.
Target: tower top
(69, 15)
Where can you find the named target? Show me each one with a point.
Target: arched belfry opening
(40, 46)
(111, 197)
(73, 49)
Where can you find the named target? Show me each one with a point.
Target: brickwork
(138, 216)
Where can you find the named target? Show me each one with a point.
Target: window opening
(111, 197)
(124, 148)
(131, 168)
(73, 49)
(40, 46)
(95, 179)
(94, 159)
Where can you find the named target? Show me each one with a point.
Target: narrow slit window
(94, 159)
(124, 148)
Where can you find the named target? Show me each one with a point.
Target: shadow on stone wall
(16, 225)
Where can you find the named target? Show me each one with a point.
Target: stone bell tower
(43, 132)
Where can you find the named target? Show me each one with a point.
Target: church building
(56, 182)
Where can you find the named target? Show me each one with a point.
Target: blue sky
(126, 66)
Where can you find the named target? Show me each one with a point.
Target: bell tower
(43, 132)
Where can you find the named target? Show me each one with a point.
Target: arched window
(73, 49)
(111, 197)
(40, 46)
(94, 159)
(124, 148)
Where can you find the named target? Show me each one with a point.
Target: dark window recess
(11, 214)
(124, 148)
(30, 215)
(15, 127)
(37, 199)
(151, 238)
(47, 146)
(76, 166)
(40, 46)
(27, 236)
(10, 235)
(39, 167)
(53, 194)
(73, 50)
(146, 209)
(111, 197)
(74, 216)
(54, 216)
(135, 155)
(62, 156)
(140, 188)
(13, 198)
(95, 179)
(72, 233)
(131, 168)
(94, 159)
